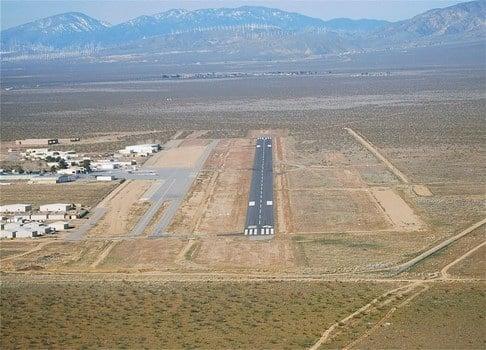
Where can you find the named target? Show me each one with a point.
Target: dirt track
(369, 146)
(123, 209)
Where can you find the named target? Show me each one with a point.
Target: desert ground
(379, 190)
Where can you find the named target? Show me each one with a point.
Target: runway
(259, 217)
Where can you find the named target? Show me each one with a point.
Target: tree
(62, 164)
(86, 164)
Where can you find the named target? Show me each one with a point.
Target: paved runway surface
(259, 216)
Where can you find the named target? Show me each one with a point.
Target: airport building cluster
(66, 166)
(21, 221)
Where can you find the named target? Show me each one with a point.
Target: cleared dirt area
(85, 193)
(335, 210)
(402, 216)
(244, 254)
(142, 254)
(217, 201)
(57, 256)
(179, 157)
(421, 190)
(329, 183)
(123, 210)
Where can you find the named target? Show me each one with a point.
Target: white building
(15, 208)
(38, 217)
(70, 171)
(41, 229)
(17, 230)
(59, 225)
(24, 233)
(104, 165)
(105, 178)
(60, 216)
(6, 234)
(19, 218)
(55, 207)
(144, 149)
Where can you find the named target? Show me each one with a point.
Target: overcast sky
(15, 12)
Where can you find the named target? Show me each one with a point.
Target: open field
(330, 211)
(86, 193)
(444, 317)
(209, 315)
(244, 255)
(142, 255)
(218, 200)
(55, 256)
(179, 157)
(123, 210)
(473, 266)
(400, 214)
(343, 215)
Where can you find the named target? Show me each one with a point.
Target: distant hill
(459, 22)
(175, 21)
(58, 32)
(355, 25)
(242, 33)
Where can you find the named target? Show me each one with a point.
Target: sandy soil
(179, 157)
(85, 193)
(315, 211)
(217, 201)
(192, 142)
(422, 190)
(145, 254)
(57, 256)
(473, 265)
(123, 210)
(402, 216)
(231, 253)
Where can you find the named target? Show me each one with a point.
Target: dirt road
(370, 147)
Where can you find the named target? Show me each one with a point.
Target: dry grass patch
(448, 316)
(205, 315)
(86, 193)
(65, 256)
(351, 252)
(143, 254)
(472, 266)
(246, 254)
(335, 210)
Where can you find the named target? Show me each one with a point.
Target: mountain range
(242, 32)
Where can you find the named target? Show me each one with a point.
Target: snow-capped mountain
(60, 31)
(176, 21)
(243, 32)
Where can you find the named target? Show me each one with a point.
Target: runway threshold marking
(260, 220)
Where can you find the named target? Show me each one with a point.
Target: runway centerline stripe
(260, 218)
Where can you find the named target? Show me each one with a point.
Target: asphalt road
(172, 186)
(173, 190)
(259, 216)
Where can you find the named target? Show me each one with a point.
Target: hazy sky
(15, 12)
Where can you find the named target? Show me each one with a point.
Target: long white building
(15, 208)
(55, 207)
(144, 149)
